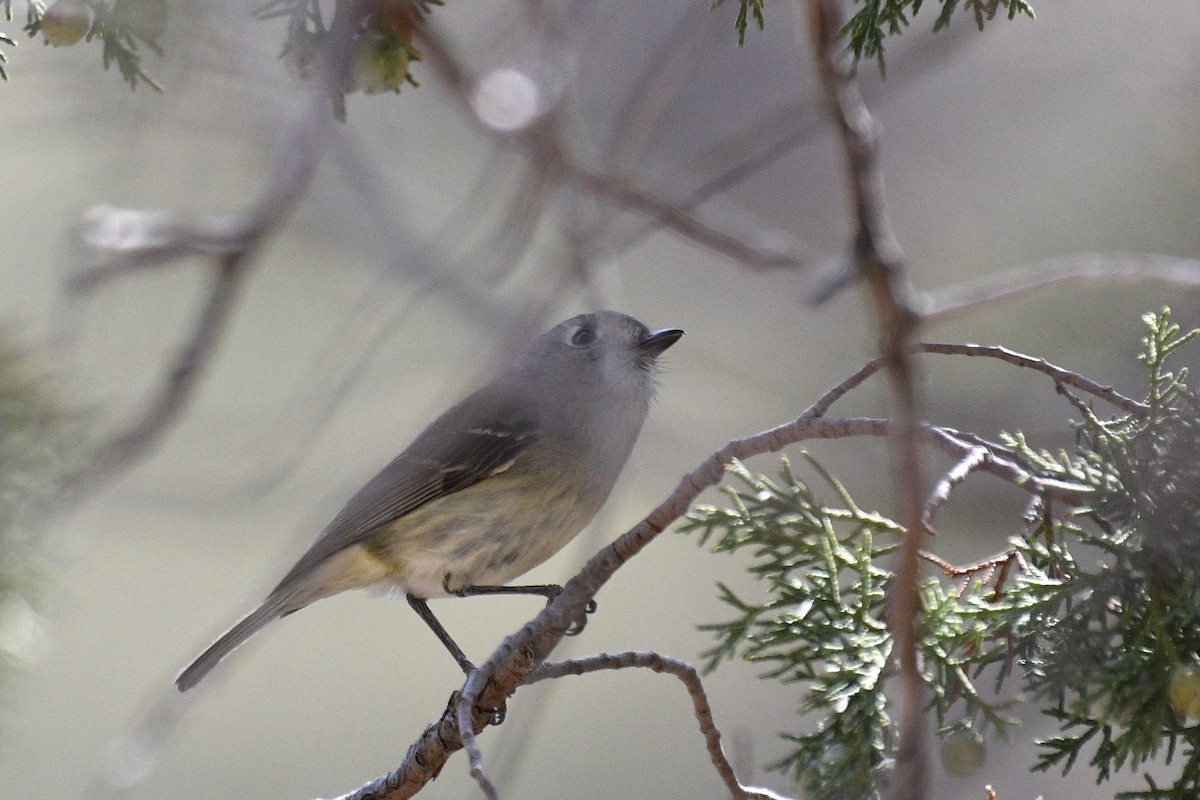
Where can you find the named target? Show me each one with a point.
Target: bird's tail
(243, 630)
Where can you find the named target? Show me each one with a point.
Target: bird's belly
(485, 539)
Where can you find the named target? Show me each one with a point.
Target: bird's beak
(653, 345)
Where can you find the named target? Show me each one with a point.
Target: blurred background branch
(877, 263)
(138, 240)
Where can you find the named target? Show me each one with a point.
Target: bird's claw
(579, 623)
(496, 715)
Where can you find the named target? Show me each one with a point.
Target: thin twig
(125, 448)
(673, 216)
(142, 240)
(1083, 408)
(1105, 269)
(997, 449)
(552, 153)
(690, 679)
(988, 566)
(842, 388)
(957, 444)
(462, 714)
(653, 92)
(973, 461)
(1059, 374)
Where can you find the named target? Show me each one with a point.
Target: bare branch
(165, 407)
(973, 461)
(462, 715)
(959, 444)
(761, 142)
(842, 388)
(988, 564)
(142, 240)
(687, 675)
(1104, 269)
(1060, 375)
(424, 760)
(551, 153)
(675, 217)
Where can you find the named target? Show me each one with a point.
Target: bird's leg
(422, 608)
(546, 590)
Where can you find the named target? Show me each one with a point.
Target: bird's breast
(487, 534)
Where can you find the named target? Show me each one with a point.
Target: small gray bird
(492, 488)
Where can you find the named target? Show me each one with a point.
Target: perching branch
(521, 654)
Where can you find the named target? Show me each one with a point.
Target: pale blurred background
(388, 294)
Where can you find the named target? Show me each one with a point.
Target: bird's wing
(426, 471)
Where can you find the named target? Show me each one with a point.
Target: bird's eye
(583, 337)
